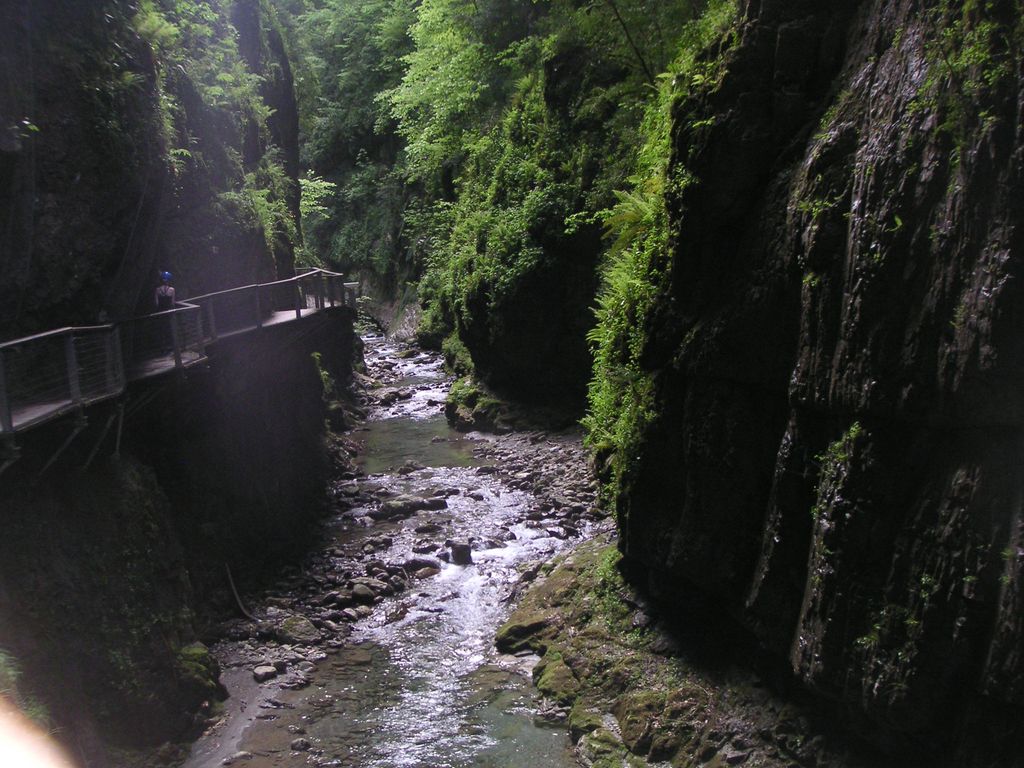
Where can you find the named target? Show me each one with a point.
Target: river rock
(297, 630)
(362, 593)
(388, 396)
(462, 552)
(426, 573)
(404, 506)
(301, 745)
(414, 564)
(264, 672)
(377, 586)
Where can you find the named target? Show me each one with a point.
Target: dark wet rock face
(839, 367)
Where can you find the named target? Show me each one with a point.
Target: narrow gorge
(543, 383)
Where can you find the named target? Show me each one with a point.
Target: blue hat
(165, 276)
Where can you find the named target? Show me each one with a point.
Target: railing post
(117, 359)
(176, 338)
(6, 421)
(109, 373)
(71, 360)
(212, 318)
(298, 300)
(201, 342)
(259, 308)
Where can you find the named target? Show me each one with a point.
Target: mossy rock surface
(523, 632)
(583, 719)
(632, 702)
(601, 748)
(298, 630)
(637, 714)
(556, 681)
(198, 672)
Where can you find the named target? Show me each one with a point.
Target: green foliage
(445, 88)
(817, 207)
(969, 59)
(345, 55)
(456, 357)
(832, 463)
(315, 191)
(153, 27)
(329, 388)
(259, 201)
(832, 113)
(515, 164)
(315, 209)
(199, 64)
(475, 142)
(621, 391)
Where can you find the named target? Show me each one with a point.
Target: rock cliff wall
(136, 137)
(108, 561)
(838, 366)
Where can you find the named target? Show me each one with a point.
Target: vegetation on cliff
(139, 137)
(480, 146)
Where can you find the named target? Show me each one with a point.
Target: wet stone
(376, 586)
(297, 630)
(461, 553)
(363, 593)
(263, 673)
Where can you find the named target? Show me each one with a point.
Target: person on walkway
(164, 293)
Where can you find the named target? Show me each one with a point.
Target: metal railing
(162, 341)
(49, 374)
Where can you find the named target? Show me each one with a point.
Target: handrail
(47, 374)
(55, 332)
(282, 281)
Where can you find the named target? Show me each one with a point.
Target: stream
(378, 651)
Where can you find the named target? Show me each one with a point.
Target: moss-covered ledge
(634, 694)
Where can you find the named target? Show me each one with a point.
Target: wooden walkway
(49, 375)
